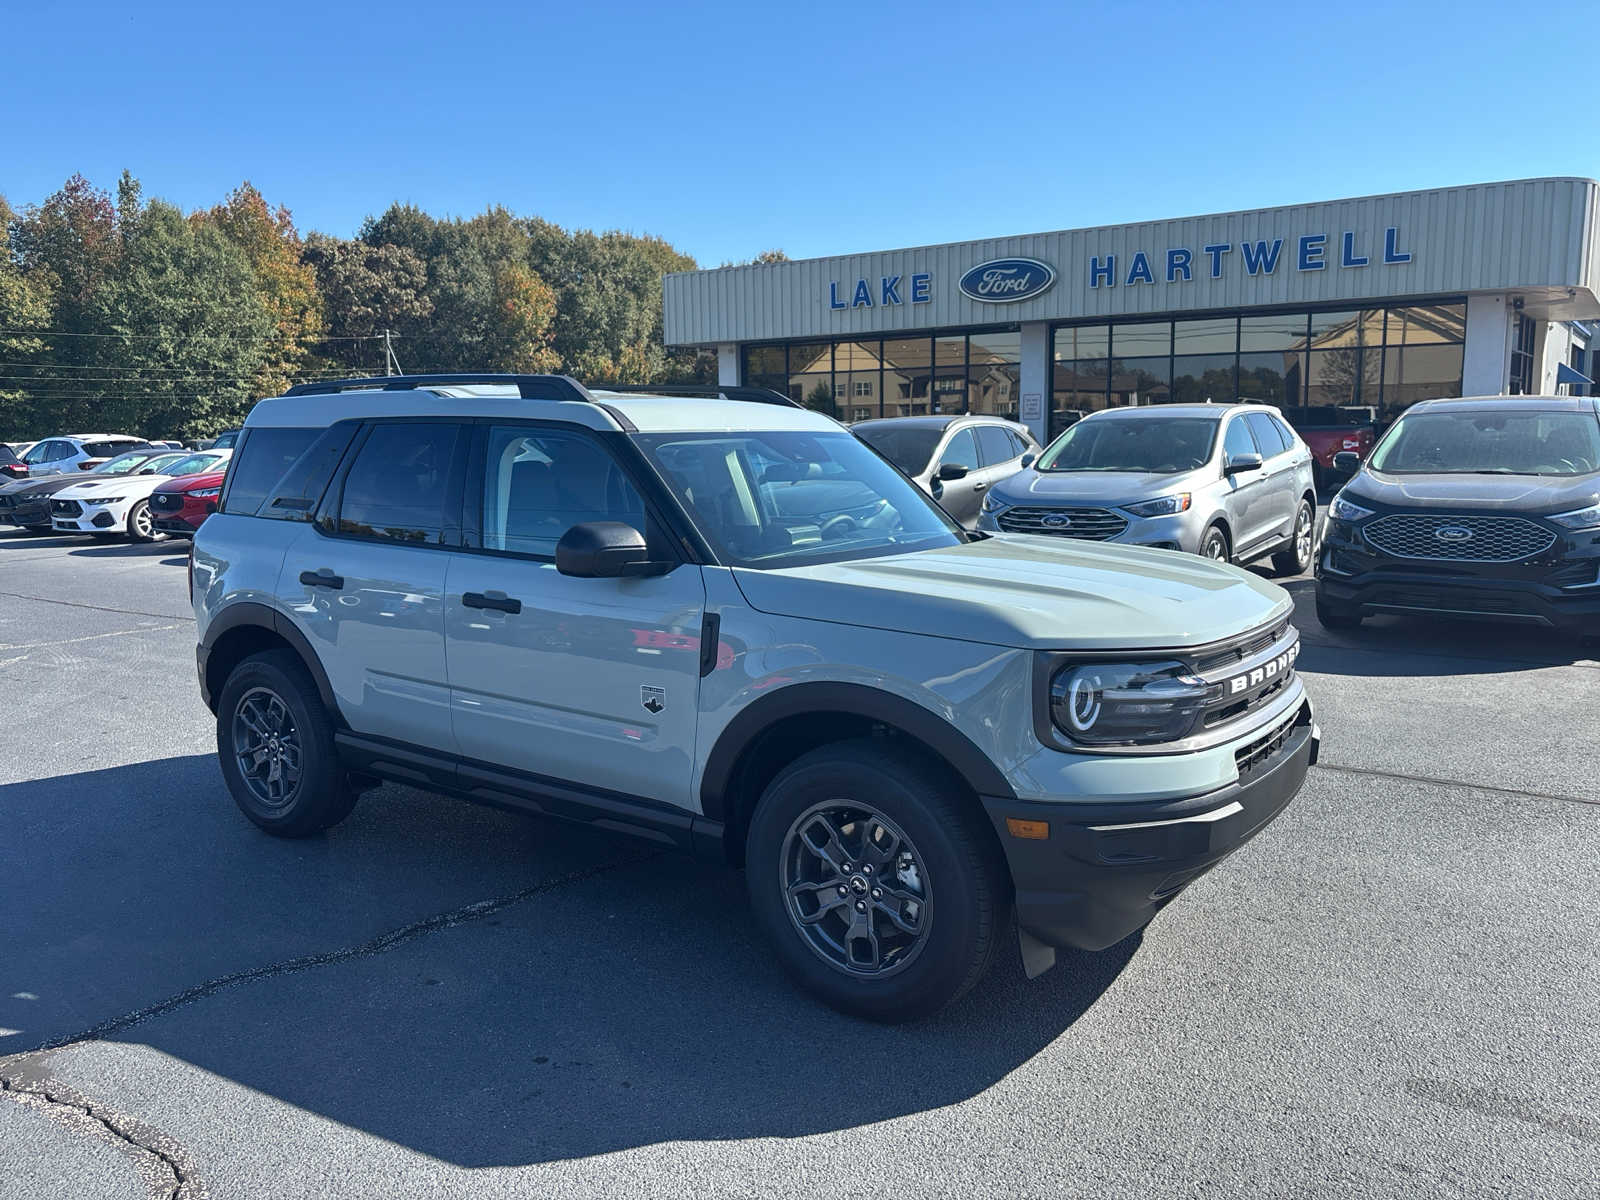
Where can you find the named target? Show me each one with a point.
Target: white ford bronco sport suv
(727, 625)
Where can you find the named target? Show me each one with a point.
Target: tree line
(123, 314)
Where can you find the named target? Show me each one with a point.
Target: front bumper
(1177, 531)
(1103, 871)
(93, 520)
(30, 516)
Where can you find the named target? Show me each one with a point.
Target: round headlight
(1127, 704)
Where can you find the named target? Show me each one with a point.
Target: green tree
(27, 304)
(366, 289)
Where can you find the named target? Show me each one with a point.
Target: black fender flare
(852, 699)
(262, 616)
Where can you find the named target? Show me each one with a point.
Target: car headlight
(1342, 510)
(1579, 518)
(994, 502)
(102, 499)
(1161, 506)
(1126, 704)
(207, 493)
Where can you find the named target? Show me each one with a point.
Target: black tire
(957, 879)
(1299, 552)
(141, 526)
(320, 796)
(1214, 544)
(1336, 616)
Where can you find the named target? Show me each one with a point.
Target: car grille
(166, 501)
(1264, 750)
(1458, 539)
(1091, 524)
(66, 508)
(5, 503)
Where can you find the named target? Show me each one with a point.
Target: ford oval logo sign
(1004, 280)
(1055, 521)
(1453, 533)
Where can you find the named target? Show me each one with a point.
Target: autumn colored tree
(286, 285)
(27, 303)
(366, 289)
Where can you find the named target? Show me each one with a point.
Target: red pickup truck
(1327, 431)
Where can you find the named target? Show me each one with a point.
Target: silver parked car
(1228, 482)
(955, 459)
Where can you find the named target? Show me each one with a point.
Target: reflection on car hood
(1091, 487)
(113, 485)
(47, 486)
(1513, 493)
(1029, 592)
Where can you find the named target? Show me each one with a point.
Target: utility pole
(391, 363)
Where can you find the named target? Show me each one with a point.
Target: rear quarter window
(261, 462)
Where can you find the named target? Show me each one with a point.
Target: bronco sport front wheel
(275, 742)
(878, 882)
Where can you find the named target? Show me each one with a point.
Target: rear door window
(996, 444)
(399, 486)
(262, 461)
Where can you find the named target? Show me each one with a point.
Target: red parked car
(1326, 431)
(182, 505)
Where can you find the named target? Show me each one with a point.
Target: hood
(47, 486)
(1029, 592)
(113, 485)
(1092, 487)
(1487, 493)
(190, 483)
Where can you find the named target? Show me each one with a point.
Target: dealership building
(1365, 305)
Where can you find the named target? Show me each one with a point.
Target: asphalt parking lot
(1394, 991)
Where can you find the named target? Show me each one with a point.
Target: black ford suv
(1485, 507)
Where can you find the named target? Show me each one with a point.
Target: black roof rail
(529, 387)
(728, 391)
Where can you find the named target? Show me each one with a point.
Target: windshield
(1159, 445)
(908, 447)
(1491, 442)
(193, 464)
(786, 498)
(122, 463)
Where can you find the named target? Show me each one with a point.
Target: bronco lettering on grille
(1265, 673)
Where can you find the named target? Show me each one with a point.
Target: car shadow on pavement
(1421, 645)
(111, 549)
(620, 997)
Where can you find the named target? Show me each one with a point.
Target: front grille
(5, 503)
(1458, 539)
(1090, 524)
(166, 501)
(1246, 647)
(66, 508)
(1259, 752)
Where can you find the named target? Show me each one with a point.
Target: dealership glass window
(1142, 340)
(764, 360)
(1342, 377)
(1211, 336)
(907, 376)
(1272, 378)
(993, 388)
(1079, 388)
(1419, 372)
(1198, 378)
(1005, 346)
(1079, 342)
(814, 391)
(1141, 380)
(1522, 357)
(1426, 323)
(1332, 330)
(1272, 332)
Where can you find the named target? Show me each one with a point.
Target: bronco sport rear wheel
(275, 741)
(878, 882)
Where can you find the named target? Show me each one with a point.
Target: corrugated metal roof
(1484, 237)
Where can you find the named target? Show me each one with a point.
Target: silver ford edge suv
(726, 625)
(1231, 482)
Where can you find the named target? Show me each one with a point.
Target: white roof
(647, 414)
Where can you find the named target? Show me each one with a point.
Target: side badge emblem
(653, 698)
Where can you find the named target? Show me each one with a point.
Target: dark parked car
(1486, 507)
(11, 467)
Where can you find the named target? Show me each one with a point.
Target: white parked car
(122, 504)
(77, 451)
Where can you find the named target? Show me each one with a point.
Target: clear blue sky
(818, 128)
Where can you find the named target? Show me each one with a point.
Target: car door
(569, 678)
(1243, 490)
(46, 458)
(1001, 454)
(961, 497)
(1280, 497)
(365, 582)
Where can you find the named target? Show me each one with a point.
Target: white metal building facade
(1367, 304)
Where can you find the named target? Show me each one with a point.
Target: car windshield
(908, 447)
(1491, 442)
(192, 464)
(1160, 445)
(123, 463)
(786, 498)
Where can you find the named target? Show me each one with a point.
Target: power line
(202, 337)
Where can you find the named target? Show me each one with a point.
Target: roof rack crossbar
(529, 387)
(728, 391)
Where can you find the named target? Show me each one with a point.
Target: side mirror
(1347, 462)
(949, 472)
(1234, 464)
(605, 550)
(1027, 460)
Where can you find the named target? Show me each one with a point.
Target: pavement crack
(1403, 777)
(162, 1164)
(384, 942)
(128, 612)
